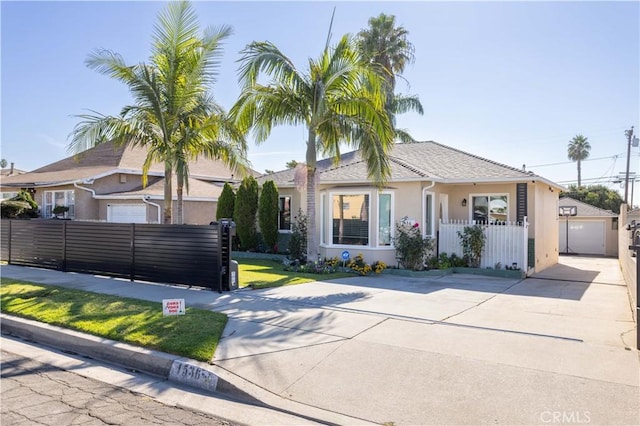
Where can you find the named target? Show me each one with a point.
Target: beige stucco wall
(112, 183)
(408, 201)
(545, 227)
(198, 212)
(627, 261)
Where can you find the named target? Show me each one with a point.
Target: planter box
(500, 273)
(256, 255)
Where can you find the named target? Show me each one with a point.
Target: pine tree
(226, 203)
(268, 214)
(244, 213)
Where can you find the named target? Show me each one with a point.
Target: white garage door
(127, 213)
(585, 236)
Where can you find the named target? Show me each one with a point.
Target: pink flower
(415, 225)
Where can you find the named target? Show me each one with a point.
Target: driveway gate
(183, 254)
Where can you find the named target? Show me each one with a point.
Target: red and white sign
(173, 307)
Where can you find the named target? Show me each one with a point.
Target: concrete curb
(180, 370)
(171, 367)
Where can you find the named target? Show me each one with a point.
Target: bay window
(350, 219)
(385, 219)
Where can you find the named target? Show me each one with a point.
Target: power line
(611, 157)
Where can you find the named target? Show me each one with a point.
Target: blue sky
(509, 81)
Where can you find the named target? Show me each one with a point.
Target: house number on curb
(193, 375)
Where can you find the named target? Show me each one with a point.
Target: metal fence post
(132, 245)
(64, 245)
(634, 227)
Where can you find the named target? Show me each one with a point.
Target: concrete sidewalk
(451, 350)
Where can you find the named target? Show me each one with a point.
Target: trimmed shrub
(226, 203)
(244, 213)
(268, 215)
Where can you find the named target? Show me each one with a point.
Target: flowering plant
(411, 247)
(359, 265)
(378, 266)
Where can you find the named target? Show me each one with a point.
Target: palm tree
(578, 150)
(386, 47)
(338, 99)
(173, 115)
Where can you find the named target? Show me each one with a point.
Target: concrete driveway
(555, 348)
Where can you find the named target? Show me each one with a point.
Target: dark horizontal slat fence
(100, 248)
(37, 243)
(183, 254)
(174, 252)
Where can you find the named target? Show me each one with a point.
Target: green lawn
(263, 273)
(194, 335)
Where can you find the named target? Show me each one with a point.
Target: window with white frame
(385, 219)
(6, 195)
(284, 213)
(429, 212)
(490, 208)
(350, 219)
(59, 198)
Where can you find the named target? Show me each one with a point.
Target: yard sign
(172, 307)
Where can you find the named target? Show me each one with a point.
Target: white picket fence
(505, 243)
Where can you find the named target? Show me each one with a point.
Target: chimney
(11, 171)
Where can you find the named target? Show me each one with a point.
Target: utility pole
(629, 135)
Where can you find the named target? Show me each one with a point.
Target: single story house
(591, 231)
(440, 188)
(104, 183)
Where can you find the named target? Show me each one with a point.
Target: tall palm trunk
(179, 206)
(312, 248)
(168, 193)
(579, 175)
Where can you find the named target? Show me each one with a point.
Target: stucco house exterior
(591, 231)
(438, 187)
(104, 183)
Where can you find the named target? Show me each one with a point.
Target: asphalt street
(38, 394)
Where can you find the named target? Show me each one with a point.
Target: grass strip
(265, 273)
(194, 335)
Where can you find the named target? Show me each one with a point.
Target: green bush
(445, 262)
(244, 213)
(268, 215)
(472, 239)
(226, 203)
(20, 206)
(298, 240)
(411, 247)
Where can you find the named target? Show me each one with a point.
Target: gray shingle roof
(585, 209)
(107, 157)
(413, 161)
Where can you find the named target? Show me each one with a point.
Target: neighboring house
(439, 187)
(105, 183)
(591, 231)
(10, 171)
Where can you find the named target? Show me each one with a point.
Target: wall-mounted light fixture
(464, 202)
